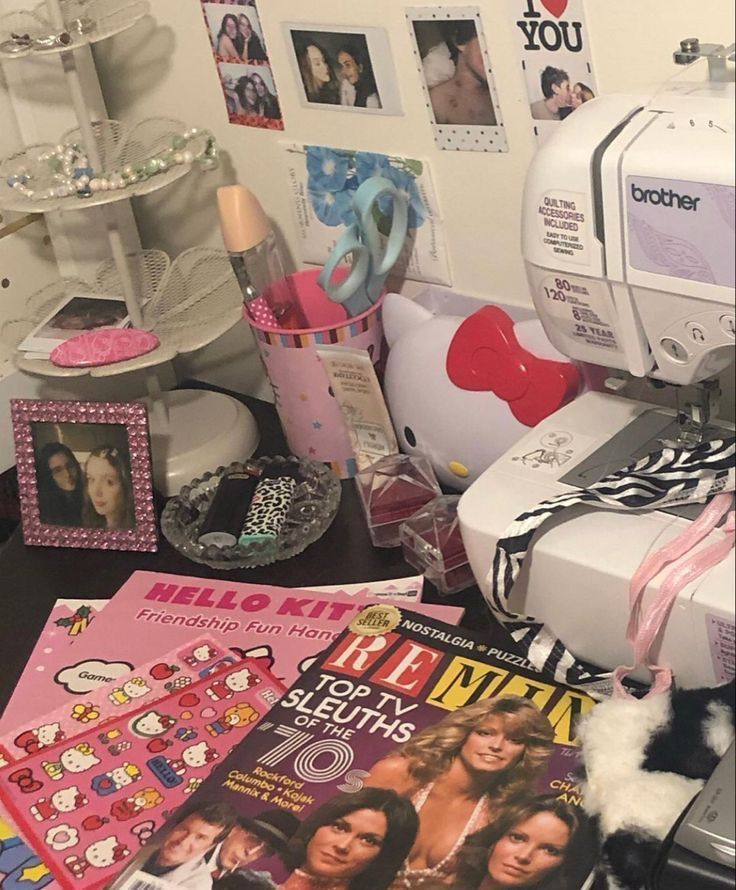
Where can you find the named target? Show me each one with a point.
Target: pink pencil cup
(309, 413)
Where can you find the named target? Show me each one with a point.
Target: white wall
(164, 67)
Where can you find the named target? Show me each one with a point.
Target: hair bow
(25, 781)
(486, 356)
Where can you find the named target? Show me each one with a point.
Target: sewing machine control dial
(705, 341)
(728, 326)
(697, 333)
(698, 122)
(675, 350)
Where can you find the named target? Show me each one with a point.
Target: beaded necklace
(73, 175)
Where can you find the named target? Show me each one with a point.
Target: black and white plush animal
(645, 760)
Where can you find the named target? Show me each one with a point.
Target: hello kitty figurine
(465, 380)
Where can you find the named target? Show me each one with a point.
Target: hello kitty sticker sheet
(157, 679)
(88, 802)
(67, 620)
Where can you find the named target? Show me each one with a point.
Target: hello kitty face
(464, 382)
(124, 775)
(103, 854)
(203, 653)
(152, 724)
(136, 688)
(49, 734)
(198, 755)
(79, 759)
(240, 681)
(68, 799)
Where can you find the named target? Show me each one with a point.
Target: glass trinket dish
(312, 510)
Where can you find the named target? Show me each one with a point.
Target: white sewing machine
(628, 238)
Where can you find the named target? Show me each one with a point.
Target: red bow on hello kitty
(485, 356)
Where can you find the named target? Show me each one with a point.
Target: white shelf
(187, 304)
(117, 147)
(110, 17)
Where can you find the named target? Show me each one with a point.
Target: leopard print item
(269, 508)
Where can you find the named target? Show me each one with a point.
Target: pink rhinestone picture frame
(84, 474)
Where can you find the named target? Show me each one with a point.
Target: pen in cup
(256, 260)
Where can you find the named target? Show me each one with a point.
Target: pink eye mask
(103, 347)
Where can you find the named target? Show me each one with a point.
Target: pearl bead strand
(72, 174)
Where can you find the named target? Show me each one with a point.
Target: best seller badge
(376, 620)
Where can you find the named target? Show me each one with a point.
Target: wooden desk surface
(32, 578)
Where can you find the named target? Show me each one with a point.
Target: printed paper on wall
(323, 181)
(555, 56)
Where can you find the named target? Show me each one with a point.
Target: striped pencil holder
(311, 419)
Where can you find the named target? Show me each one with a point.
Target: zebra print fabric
(663, 479)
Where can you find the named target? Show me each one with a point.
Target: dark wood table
(32, 578)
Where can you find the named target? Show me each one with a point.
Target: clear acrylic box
(393, 489)
(432, 544)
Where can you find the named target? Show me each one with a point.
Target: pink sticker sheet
(87, 803)
(155, 680)
(152, 681)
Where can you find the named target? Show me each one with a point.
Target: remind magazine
(411, 754)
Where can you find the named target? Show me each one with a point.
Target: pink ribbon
(643, 631)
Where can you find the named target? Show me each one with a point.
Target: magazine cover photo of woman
(459, 773)
(353, 842)
(534, 843)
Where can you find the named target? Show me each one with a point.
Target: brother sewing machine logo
(664, 197)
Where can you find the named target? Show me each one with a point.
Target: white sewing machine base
(577, 575)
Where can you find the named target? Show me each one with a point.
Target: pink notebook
(88, 802)
(155, 612)
(71, 618)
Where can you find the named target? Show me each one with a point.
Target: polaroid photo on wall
(457, 77)
(236, 33)
(343, 68)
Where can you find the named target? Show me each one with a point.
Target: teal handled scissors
(372, 260)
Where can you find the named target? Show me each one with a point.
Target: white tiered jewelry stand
(188, 303)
